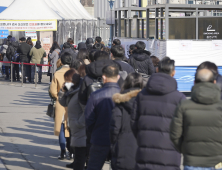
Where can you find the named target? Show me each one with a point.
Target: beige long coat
(60, 111)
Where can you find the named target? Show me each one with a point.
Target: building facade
(102, 6)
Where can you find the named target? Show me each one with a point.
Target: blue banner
(4, 34)
(185, 77)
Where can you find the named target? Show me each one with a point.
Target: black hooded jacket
(93, 71)
(23, 51)
(153, 111)
(140, 59)
(68, 49)
(123, 141)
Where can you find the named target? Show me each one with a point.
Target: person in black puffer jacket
(67, 48)
(123, 142)
(153, 110)
(23, 51)
(140, 59)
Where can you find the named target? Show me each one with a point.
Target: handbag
(51, 109)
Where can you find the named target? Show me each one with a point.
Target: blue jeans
(198, 168)
(62, 139)
(33, 73)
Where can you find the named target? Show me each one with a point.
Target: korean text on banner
(31, 34)
(24, 25)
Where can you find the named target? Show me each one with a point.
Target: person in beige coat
(61, 115)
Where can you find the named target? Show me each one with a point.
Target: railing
(22, 64)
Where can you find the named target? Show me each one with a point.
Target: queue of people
(22, 52)
(130, 111)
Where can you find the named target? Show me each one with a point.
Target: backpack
(16, 57)
(96, 85)
(144, 75)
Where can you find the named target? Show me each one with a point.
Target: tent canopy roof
(45, 9)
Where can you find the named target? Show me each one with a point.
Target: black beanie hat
(81, 45)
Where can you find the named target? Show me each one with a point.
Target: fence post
(35, 77)
(22, 73)
(52, 68)
(11, 72)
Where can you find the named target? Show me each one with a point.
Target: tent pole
(91, 29)
(86, 28)
(82, 31)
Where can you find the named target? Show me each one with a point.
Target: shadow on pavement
(34, 147)
(33, 99)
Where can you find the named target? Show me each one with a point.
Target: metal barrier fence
(22, 68)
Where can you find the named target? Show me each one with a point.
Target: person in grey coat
(54, 56)
(68, 97)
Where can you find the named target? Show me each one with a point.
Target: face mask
(69, 85)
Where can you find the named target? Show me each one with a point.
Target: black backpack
(96, 85)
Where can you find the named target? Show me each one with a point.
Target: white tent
(28, 10)
(69, 9)
(45, 9)
(5, 3)
(72, 18)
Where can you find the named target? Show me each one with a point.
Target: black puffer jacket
(23, 51)
(123, 141)
(153, 110)
(70, 51)
(93, 71)
(196, 128)
(141, 59)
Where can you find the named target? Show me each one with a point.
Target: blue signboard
(185, 77)
(4, 34)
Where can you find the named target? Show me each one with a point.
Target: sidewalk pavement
(26, 133)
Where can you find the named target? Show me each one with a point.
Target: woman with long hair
(83, 55)
(123, 142)
(53, 57)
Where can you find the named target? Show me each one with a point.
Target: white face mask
(68, 85)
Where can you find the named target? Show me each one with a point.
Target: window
(182, 28)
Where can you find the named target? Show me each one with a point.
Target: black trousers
(28, 72)
(7, 71)
(97, 157)
(16, 71)
(24, 73)
(80, 158)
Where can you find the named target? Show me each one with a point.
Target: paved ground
(26, 133)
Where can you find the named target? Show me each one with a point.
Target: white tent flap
(45, 9)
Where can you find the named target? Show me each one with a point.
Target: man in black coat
(67, 48)
(98, 43)
(140, 59)
(93, 73)
(153, 110)
(23, 51)
(98, 114)
(117, 55)
(196, 127)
